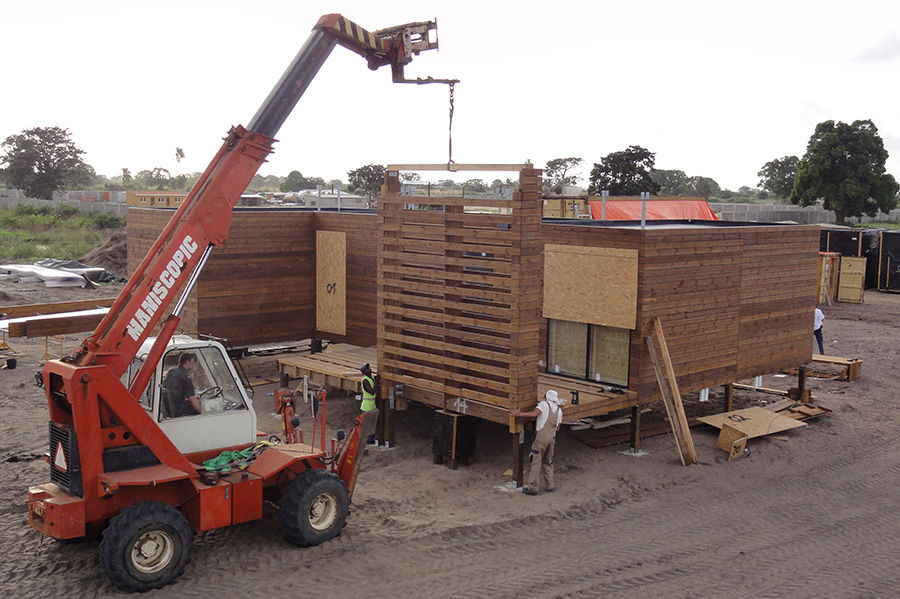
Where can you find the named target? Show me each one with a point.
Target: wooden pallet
(850, 366)
(337, 367)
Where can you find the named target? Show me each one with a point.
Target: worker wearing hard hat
(548, 413)
(369, 393)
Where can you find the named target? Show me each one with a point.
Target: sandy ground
(813, 513)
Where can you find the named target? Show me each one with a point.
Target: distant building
(154, 199)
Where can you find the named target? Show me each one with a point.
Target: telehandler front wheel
(146, 546)
(313, 508)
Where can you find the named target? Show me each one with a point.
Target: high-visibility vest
(368, 402)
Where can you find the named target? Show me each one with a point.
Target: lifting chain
(450, 130)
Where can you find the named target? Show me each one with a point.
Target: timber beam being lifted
(453, 167)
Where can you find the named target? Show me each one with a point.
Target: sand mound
(112, 255)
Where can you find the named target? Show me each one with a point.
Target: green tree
(844, 167)
(293, 182)
(475, 185)
(558, 174)
(777, 176)
(42, 160)
(671, 182)
(702, 186)
(624, 173)
(677, 183)
(126, 177)
(156, 178)
(367, 179)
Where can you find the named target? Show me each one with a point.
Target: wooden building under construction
(478, 305)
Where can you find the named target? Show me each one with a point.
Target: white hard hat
(553, 397)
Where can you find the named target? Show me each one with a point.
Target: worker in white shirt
(548, 415)
(818, 319)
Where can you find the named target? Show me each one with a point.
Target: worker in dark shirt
(178, 389)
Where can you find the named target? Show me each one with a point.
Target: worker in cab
(178, 395)
(369, 393)
(548, 415)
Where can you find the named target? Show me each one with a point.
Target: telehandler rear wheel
(146, 546)
(313, 508)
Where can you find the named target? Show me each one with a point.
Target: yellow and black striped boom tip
(360, 40)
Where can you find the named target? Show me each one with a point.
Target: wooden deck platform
(336, 367)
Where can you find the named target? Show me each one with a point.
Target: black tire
(313, 508)
(146, 546)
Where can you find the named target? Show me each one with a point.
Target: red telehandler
(121, 461)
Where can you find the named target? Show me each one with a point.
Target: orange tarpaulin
(656, 210)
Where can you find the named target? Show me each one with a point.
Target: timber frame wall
(459, 298)
(735, 301)
(260, 287)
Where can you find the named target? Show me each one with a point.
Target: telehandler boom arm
(203, 220)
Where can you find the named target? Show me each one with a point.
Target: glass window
(214, 386)
(146, 399)
(213, 379)
(567, 348)
(609, 351)
(591, 352)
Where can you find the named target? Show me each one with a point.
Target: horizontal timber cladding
(734, 301)
(459, 297)
(260, 287)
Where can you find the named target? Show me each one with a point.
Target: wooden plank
(26, 310)
(665, 374)
(453, 167)
(54, 325)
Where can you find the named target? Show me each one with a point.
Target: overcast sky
(712, 88)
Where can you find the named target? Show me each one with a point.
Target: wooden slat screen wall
(459, 297)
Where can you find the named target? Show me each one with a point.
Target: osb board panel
(851, 280)
(331, 282)
(361, 231)
(591, 284)
(754, 422)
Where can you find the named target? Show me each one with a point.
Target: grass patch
(30, 233)
(884, 224)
